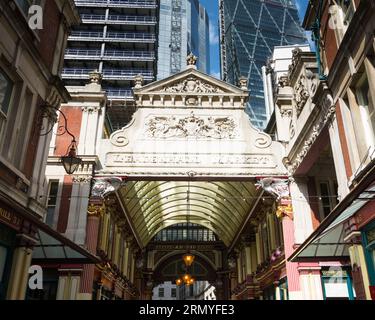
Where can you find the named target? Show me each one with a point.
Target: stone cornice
(324, 109)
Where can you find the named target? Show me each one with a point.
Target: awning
(55, 248)
(327, 241)
(51, 246)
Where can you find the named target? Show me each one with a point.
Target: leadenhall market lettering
(123, 159)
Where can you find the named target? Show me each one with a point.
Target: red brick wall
(48, 35)
(328, 36)
(74, 119)
(64, 204)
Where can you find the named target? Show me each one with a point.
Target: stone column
(303, 226)
(20, 273)
(92, 229)
(310, 281)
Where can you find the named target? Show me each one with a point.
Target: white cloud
(216, 75)
(214, 34)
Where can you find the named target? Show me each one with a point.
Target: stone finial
(138, 80)
(95, 77)
(191, 60)
(242, 83)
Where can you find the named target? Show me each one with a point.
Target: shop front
(9, 225)
(368, 240)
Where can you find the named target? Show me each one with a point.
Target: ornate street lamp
(70, 161)
(188, 259)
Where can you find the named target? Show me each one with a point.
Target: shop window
(337, 284)
(161, 292)
(173, 292)
(368, 238)
(7, 242)
(269, 293)
(52, 201)
(3, 258)
(283, 289)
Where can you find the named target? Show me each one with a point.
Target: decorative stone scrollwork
(242, 83)
(191, 126)
(263, 140)
(328, 109)
(275, 186)
(81, 179)
(301, 94)
(286, 113)
(91, 109)
(192, 85)
(191, 60)
(284, 81)
(295, 57)
(138, 81)
(118, 138)
(103, 186)
(95, 77)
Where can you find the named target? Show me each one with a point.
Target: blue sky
(212, 8)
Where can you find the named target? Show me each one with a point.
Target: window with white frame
(327, 190)
(342, 12)
(6, 90)
(17, 126)
(52, 201)
(366, 109)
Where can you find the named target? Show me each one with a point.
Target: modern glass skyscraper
(117, 38)
(183, 28)
(249, 30)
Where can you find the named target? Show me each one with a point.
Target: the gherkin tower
(249, 30)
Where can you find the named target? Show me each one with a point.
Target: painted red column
(291, 267)
(92, 230)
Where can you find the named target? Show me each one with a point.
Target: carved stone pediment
(192, 85)
(190, 88)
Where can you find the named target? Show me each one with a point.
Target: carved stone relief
(192, 85)
(301, 94)
(191, 126)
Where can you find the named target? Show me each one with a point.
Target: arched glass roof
(219, 206)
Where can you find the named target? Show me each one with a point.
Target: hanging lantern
(191, 281)
(70, 161)
(187, 278)
(188, 259)
(178, 282)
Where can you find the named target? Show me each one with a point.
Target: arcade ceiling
(220, 206)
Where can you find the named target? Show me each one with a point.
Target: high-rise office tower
(183, 28)
(117, 38)
(249, 31)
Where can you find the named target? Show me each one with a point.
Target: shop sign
(10, 218)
